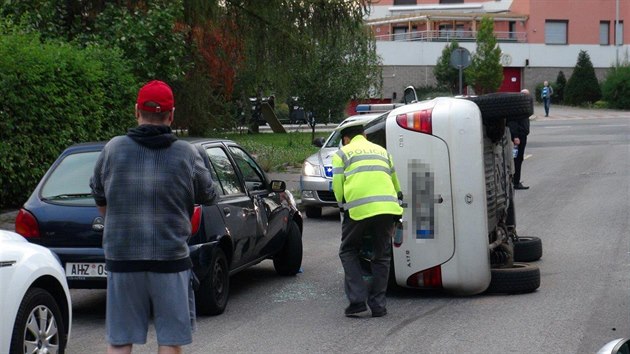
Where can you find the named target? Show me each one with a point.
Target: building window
(604, 32)
(404, 2)
(619, 34)
(400, 33)
(556, 32)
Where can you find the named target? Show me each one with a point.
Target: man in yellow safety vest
(367, 190)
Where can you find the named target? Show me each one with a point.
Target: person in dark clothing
(146, 184)
(519, 129)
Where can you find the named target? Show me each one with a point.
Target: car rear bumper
(198, 254)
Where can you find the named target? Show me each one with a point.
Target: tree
(582, 87)
(446, 75)
(317, 50)
(485, 72)
(616, 87)
(558, 89)
(219, 52)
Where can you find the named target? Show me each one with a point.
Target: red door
(511, 80)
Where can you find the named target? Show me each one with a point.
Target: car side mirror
(278, 186)
(319, 142)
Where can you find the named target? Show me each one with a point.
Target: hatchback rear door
(422, 164)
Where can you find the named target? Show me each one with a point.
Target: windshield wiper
(69, 196)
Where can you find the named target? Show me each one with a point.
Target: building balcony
(450, 35)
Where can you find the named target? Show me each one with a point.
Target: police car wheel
(313, 212)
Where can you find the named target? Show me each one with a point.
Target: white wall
(539, 55)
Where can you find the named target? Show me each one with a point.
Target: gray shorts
(132, 297)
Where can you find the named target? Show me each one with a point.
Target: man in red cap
(146, 184)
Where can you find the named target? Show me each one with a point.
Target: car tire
(212, 296)
(289, 260)
(519, 279)
(527, 249)
(38, 308)
(503, 105)
(313, 212)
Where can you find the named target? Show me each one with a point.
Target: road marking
(527, 156)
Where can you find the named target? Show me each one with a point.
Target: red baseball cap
(155, 96)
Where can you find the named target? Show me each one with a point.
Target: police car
(316, 176)
(453, 158)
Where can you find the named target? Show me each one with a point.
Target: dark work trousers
(518, 160)
(381, 228)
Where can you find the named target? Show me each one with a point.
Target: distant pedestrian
(367, 189)
(519, 129)
(146, 184)
(545, 94)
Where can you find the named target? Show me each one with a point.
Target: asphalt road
(579, 172)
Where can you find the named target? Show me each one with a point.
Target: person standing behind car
(519, 129)
(367, 189)
(146, 184)
(545, 94)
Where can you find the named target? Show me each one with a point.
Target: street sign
(460, 59)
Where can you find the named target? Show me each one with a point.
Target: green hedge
(616, 87)
(54, 95)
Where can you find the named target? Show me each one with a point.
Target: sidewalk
(558, 112)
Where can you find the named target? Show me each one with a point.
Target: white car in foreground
(35, 306)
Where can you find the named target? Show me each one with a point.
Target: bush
(616, 87)
(558, 89)
(582, 87)
(54, 95)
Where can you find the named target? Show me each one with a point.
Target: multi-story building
(538, 38)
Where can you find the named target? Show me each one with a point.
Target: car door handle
(226, 211)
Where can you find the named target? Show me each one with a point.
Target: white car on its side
(35, 305)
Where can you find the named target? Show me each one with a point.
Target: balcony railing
(449, 35)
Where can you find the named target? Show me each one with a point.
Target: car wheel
(289, 260)
(518, 279)
(313, 212)
(502, 105)
(527, 249)
(214, 288)
(39, 326)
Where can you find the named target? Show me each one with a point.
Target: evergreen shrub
(54, 95)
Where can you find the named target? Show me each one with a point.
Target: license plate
(85, 270)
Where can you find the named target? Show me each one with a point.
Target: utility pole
(617, 44)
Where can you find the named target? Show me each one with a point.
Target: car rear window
(69, 182)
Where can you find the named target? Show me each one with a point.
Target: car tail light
(26, 224)
(428, 278)
(419, 121)
(195, 221)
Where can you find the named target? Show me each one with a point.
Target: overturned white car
(453, 157)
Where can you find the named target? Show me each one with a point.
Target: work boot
(356, 309)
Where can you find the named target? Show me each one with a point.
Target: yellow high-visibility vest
(364, 180)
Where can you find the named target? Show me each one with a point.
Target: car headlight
(309, 169)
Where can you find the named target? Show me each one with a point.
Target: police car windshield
(334, 140)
